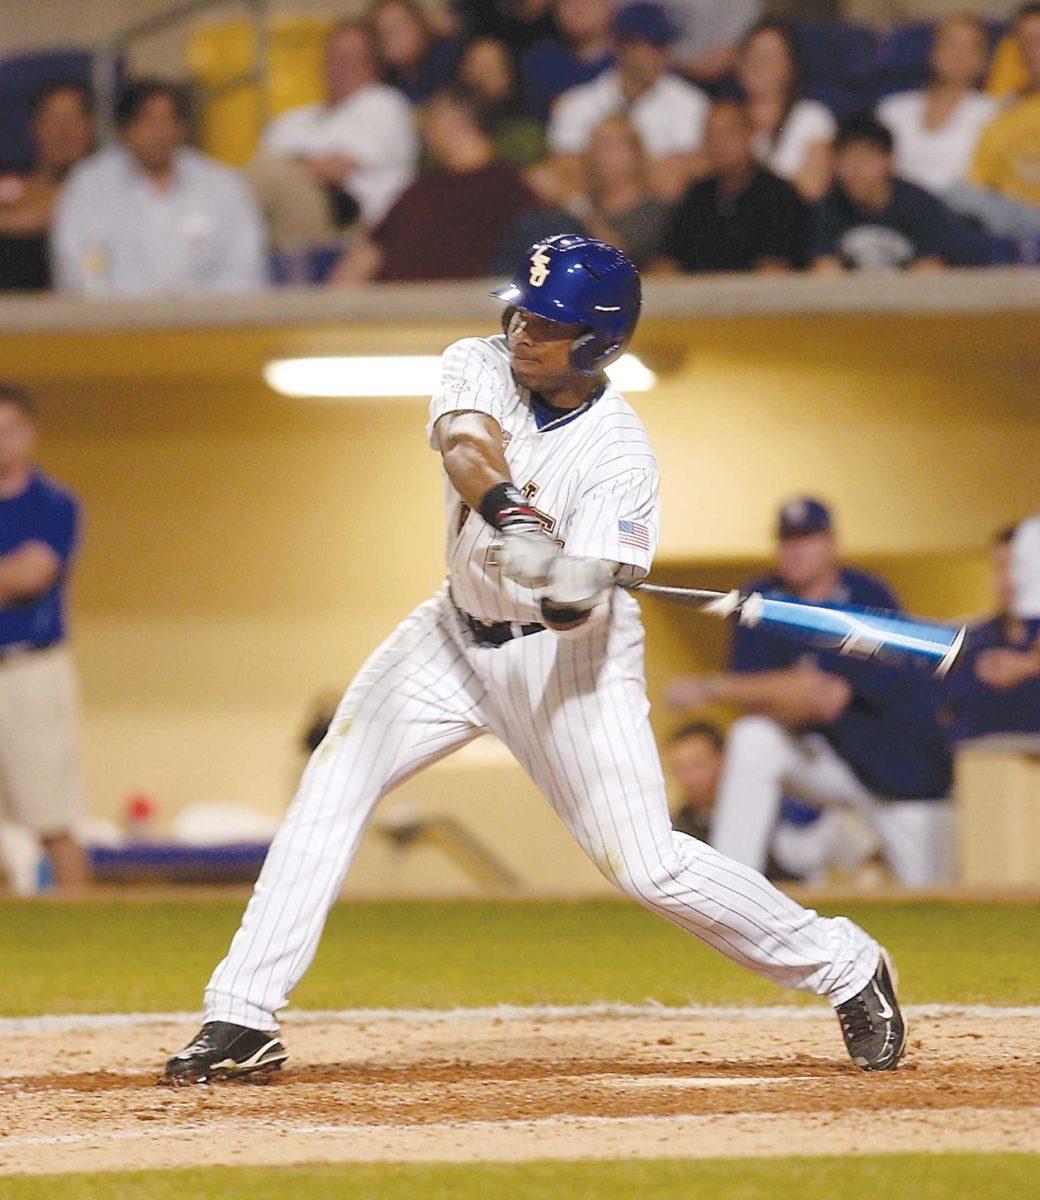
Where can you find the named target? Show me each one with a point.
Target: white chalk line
(325, 1129)
(54, 1023)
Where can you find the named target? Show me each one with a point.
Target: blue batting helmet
(580, 281)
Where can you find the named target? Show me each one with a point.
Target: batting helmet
(580, 281)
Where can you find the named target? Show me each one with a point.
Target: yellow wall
(244, 551)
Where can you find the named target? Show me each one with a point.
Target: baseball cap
(644, 22)
(804, 514)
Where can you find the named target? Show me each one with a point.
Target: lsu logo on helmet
(539, 267)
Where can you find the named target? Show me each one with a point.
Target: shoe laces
(855, 1019)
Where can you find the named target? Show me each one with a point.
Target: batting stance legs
(574, 712)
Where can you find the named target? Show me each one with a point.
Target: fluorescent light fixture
(342, 377)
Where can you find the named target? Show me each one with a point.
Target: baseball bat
(890, 637)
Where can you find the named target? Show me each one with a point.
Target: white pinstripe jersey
(591, 474)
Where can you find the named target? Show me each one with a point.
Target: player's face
(805, 560)
(539, 351)
(17, 439)
(696, 765)
(63, 130)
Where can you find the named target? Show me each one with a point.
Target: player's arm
(28, 572)
(795, 696)
(470, 444)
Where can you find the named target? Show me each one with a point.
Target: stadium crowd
(698, 135)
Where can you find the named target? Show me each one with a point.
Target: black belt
(497, 633)
(16, 649)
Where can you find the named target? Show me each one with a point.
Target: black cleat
(223, 1050)
(872, 1023)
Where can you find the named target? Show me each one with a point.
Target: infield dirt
(522, 1087)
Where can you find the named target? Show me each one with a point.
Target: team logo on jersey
(530, 490)
(539, 267)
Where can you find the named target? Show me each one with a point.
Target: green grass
(120, 957)
(917, 1176)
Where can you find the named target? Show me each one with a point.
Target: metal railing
(106, 59)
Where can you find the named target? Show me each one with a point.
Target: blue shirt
(550, 68)
(889, 734)
(977, 709)
(43, 512)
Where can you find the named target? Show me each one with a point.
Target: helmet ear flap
(589, 355)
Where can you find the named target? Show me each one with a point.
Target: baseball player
(551, 490)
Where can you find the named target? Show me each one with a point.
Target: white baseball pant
(574, 713)
(765, 761)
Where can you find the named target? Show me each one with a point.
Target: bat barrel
(892, 638)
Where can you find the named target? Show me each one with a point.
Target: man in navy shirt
(871, 220)
(995, 692)
(41, 784)
(827, 729)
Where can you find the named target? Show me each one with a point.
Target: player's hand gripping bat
(890, 637)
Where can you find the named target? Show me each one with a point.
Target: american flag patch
(631, 533)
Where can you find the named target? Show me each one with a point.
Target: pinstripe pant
(574, 713)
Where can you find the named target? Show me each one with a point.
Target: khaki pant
(295, 206)
(41, 778)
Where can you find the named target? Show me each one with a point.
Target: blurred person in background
(323, 168)
(668, 112)
(580, 49)
(41, 781)
(415, 59)
(826, 729)
(871, 220)
(619, 206)
(793, 135)
(805, 844)
(1007, 159)
(517, 23)
(448, 224)
(149, 216)
(709, 33)
(63, 131)
(487, 72)
(995, 691)
(742, 217)
(937, 129)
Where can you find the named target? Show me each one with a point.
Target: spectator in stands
(488, 73)
(1007, 160)
(742, 217)
(517, 23)
(62, 123)
(448, 224)
(871, 220)
(709, 33)
(42, 784)
(793, 135)
(150, 216)
(936, 129)
(619, 206)
(325, 166)
(667, 111)
(415, 60)
(827, 729)
(995, 692)
(576, 53)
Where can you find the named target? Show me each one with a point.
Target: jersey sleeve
(617, 520)
(471, 381)
(58, 528)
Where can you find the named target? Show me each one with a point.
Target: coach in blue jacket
(826, 729)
